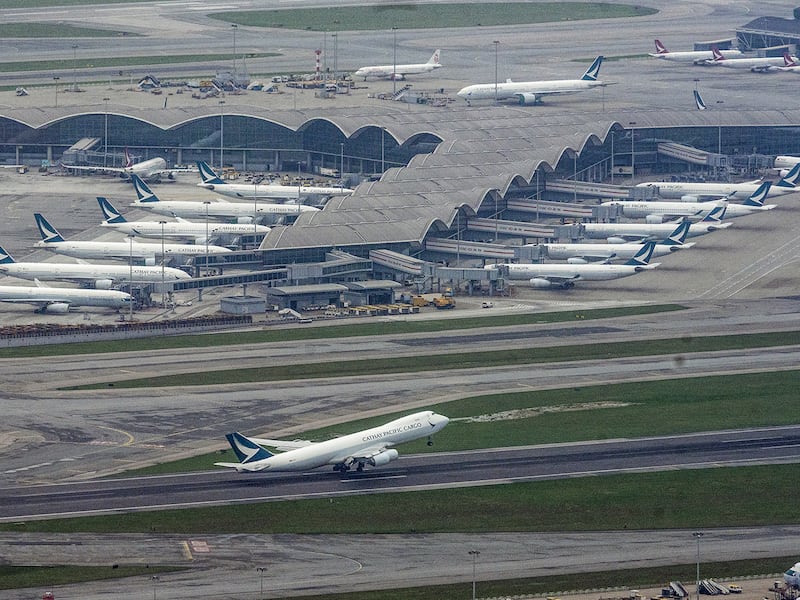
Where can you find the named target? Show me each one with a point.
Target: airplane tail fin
(716, 214)
(660, 48)
(143, 192)
(698, 100)
(716, 54)
(208, 175)
(111, 214)
(128, 158)
(5, 257)
(642, 257)
(678, 237)
(434, 59)
(246, 450)
(593, 72)
(47, 231)
(788, 61)
(757, 198)
(790, 179)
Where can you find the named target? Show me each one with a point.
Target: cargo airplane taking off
(368, 447)
(151, 169)
(243, 212)
(246, 191)
(100, 277)
(60, 300)
(697, 57)
(566, 275)
(52, 240)
(399, 72)
(532, 92)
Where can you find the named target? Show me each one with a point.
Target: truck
(444, 302)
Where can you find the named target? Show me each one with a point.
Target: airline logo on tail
(246, 450)
(757, 198)
(660, 48)
(642, 257)
(790, 180)
(717, 54)
(128, 159)
(716, 214)
(208, 175)
(144, 193)
(111, 214)
(48, 232)
(434, 60)
(593, 72)
(788, 61)
(5, 257)
(679, 235)
(699, 101)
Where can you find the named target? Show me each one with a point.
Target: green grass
(464, 360)
(50, 30)
(44, 3)
(424, 16)
(346, 329)
(57, 575)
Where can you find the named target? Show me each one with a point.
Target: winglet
(593, 72)
(699, 101)
(246, 450)
(143, 192)
(208, 175)
(111, 214)
(5, 257)
(642, 257)
(47, 231)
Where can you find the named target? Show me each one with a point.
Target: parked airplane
(754, 203)
(697, 57)
(52, 240)
(693, 191)
(790, 65)
(101, 277)
(786, 162)
(587, 253)
(368, 447)
(60, 300)
(151, 169)
(698, 101)
(244, 212)
(532, 92)
(619, 233)
(756, 64)
(180, 229)
(658, 211)
(399, 72)
(792, 576)
(246, 191)
(565, 275)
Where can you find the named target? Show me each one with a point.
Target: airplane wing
(94, 169)
(282, 445)
(597, 257)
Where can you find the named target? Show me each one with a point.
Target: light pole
(130, 275)
(719, 128)
(697, 535)
(341, 160)
(633, 150)
(155, 580)
(474, 554)
(221, 134)
(496, 44)
(261, 574)
(234, 26)
(74, 67)
(383, 151)
(335, 70)
(105, 134)
(612, 158)
(163, 264)
(206, 202)
(56, 79)
(394, 61)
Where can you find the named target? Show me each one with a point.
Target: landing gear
(430, 441)
(341, 467)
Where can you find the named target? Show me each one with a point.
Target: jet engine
(150, 261)
(616, 240)
(540, 284)
(103, 284)
(526, 98)
(397, 77)
(58, 308)
(576, 260)
(654, 219)
(689, 198)
(383, 458)
(244, 220)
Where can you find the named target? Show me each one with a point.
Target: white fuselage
(126, 250)
(221, 210)
(43, 296)
(513, 89)
(146, 168)
(398, 71)
(738, 191)
(652, 231)
(183, 230)
(636, 210)
(600, 252)
(84, 273)
(588, 272)
(786, 162)
(288, 192)
(339, 450)
(751, 63)
(695, 56)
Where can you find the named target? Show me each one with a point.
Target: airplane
(368, 447)
(180, 229)
(565, 275)
(656, 211)
(585, 253)
(694, 191)
(755, 64)
(532, 92)
(754, 203)
(790, 65)
(151, 169)
(247, 191)
(399, 72)
(697, 57)
(59, 300)
(52, 240)
(792, 576)
(619, 233)
(100, 277)
(216, 209)
(786, 162)
(698, 101)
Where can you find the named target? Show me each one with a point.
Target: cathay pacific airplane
(619, 233)
(101, 277)
(697, 57)
(371, 447)
(246, 191)
(756, 64)
(753, 204)
(658, 211)
(792, 576)
(244, 212)
(151, 169)
(178, 229)
(532, 92)
(399, 72)
(60, 300)
(52, 240)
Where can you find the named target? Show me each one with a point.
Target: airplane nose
(438, 421)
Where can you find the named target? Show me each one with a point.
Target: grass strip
(14, 577)
(461, 360)
(50, 30)
(121, 61)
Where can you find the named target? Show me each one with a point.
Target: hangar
(769, 32)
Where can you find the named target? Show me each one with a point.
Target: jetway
(467, 248)
(552, 209)
(514, 228)
(397, 261)
(692, 155)
(587, 188)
